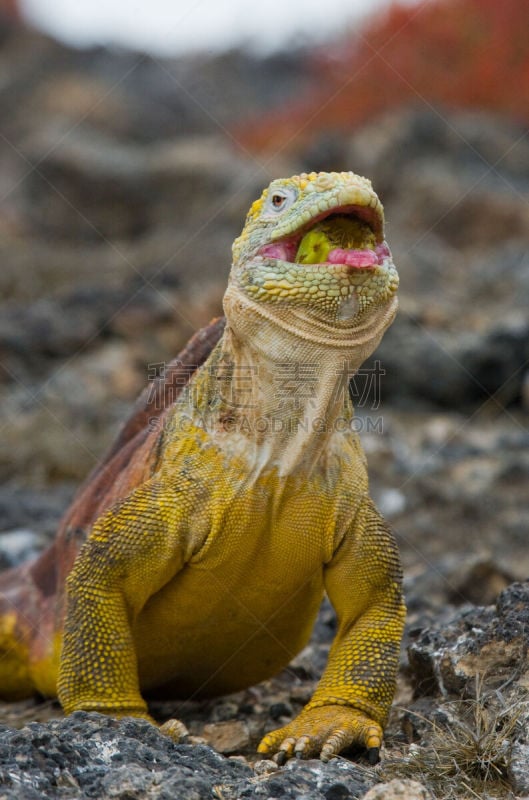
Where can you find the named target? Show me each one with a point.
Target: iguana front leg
(132, 551)
(353, 697)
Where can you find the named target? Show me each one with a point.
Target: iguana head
(314, 243)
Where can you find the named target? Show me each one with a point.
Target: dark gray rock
(519, 769)
(89, 755)
(337, 780)
(117, 189)
(93, 756)
(34, 337)
(23, 507)
(468, 141)
(455, 580)
(452, 369)
(483, 641)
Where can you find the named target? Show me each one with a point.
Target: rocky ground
(121, 190)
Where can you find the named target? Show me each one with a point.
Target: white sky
(171, 26)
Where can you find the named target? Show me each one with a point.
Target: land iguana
(195, 558)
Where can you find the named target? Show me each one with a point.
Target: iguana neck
(275, 389)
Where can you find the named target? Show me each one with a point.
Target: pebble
(227, 737)
(398, 789)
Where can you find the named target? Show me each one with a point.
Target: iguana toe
(323, 732)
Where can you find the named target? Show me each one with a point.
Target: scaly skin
(196, 557)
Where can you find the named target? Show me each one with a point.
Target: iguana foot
(323, 731)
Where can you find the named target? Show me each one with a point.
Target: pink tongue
(353, 258)
(382, 251)
(284, 251)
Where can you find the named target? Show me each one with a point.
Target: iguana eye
(279, 200)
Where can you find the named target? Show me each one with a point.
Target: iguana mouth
(350, 236)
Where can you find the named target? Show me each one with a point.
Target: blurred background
(133, 138)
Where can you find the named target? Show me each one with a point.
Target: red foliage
(10, 9)
(451, 53)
